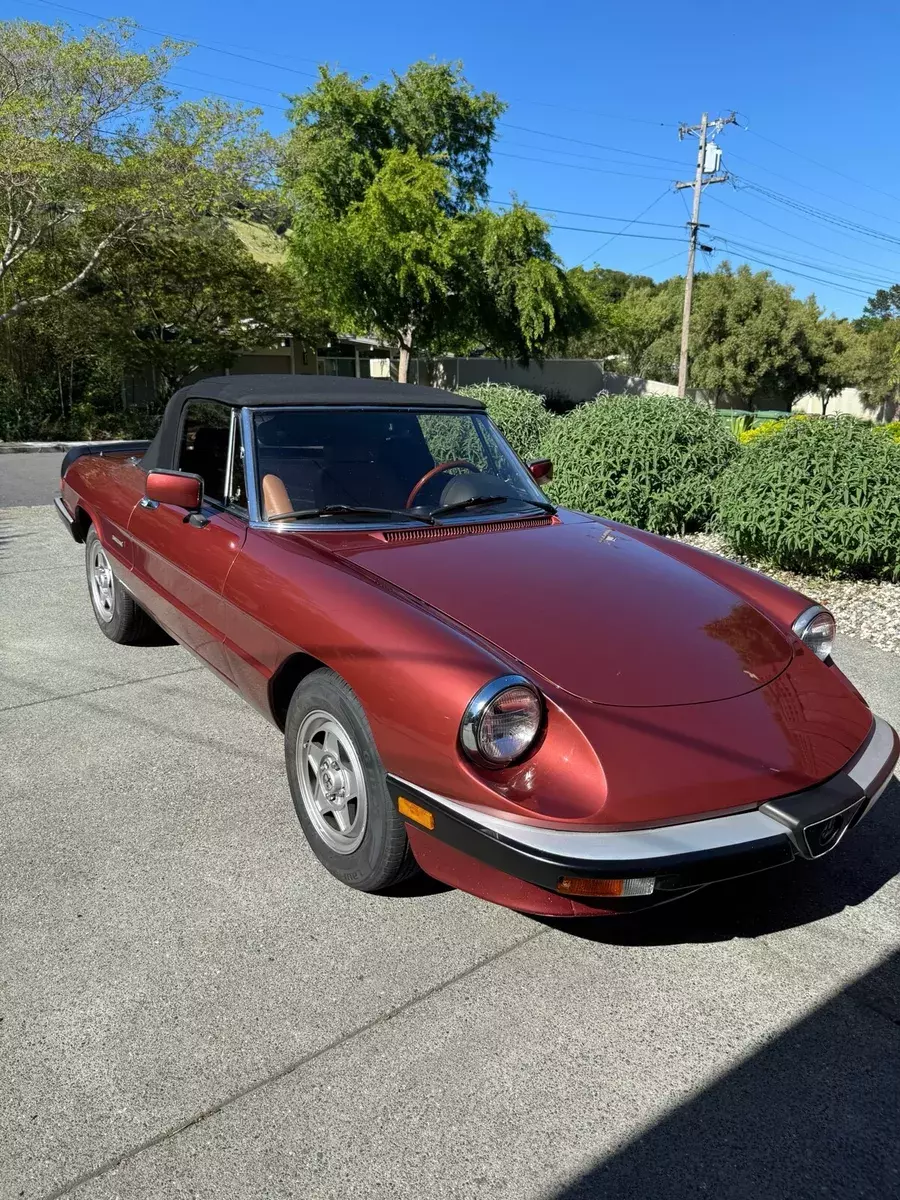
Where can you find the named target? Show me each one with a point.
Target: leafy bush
(818, 496)
(650, 461)
(521, 415)
(766, 428)
(891, 430)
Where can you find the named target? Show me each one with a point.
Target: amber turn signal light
(415, 812)
(605, 887)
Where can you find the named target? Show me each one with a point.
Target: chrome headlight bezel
(805, 629)
(476, 710)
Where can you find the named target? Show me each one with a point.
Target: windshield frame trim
(338, 524)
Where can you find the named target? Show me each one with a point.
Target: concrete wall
(849, 401)
(582, 379)
(577, 379)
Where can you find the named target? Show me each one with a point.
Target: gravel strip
(862, 608)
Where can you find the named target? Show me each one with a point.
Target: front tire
(120, 618)
(339, 787)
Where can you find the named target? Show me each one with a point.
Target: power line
(824, 166)
(650, 237)
(568, 212)
(226, 79)
(558, 137)
(819, 214)
(621, 232)
(192, 87)
(592, 112)
(775, 252)
(841, 229)
(619, 162)
(574, 166)
(262, 62)
(576, 154)
(660, 262)
(796, 237)
(800, 275)
(808, 188)
(218, 49)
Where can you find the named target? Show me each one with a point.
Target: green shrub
(819, 496)
(521, 415)
(891, 430)
(649, 461)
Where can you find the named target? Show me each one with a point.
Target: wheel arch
(82, 522)
(285, 681)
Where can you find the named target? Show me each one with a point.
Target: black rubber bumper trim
(673, 872)
(67, 519)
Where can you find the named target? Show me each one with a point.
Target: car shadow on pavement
(781, 898)
(810, 1113)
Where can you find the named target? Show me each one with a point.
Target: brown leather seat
(275, 496)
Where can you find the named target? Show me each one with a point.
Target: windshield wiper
(360, 510)
(473, 501)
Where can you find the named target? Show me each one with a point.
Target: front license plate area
(822, 836)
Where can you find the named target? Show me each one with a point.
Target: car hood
(594, 611)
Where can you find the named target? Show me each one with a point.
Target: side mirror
(175, 487)
(541, 469)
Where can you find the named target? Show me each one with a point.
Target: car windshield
(388, 461)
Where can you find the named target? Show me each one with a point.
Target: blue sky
(813, 83)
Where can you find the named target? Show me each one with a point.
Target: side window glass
(204, 445)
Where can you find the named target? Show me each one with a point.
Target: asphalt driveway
(191, 1007)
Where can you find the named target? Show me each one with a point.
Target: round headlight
(815, 628)
(502, 721)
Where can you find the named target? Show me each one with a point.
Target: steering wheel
(444, 466)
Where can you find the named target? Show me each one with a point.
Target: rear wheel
(120, 618)
(339, 787)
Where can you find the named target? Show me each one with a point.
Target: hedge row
(810, 495)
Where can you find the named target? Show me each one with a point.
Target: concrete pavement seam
(107, 687)
(165, 1135)
(30, 571)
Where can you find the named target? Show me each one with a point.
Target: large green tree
(391, 234)
(189, 301)
(95, 155)
(603, 291)
(751, 338)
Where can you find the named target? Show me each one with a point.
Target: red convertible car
(550, 710)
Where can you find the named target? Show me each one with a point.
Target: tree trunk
(405, 351)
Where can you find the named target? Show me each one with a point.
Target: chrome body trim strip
(63, 511)
(251, 479)
(251, 473)
(871, 762)
(869, 765)
(714, 833)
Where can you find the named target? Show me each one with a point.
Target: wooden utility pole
(707, 172)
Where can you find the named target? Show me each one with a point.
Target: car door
(183, 559)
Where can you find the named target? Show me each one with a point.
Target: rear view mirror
(541, 470)
(175, 487)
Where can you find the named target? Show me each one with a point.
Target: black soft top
(265, 391)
